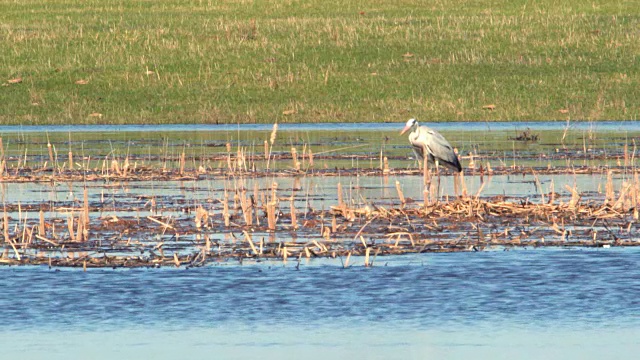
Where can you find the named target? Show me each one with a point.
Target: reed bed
(246, 213)
(465, 224)
(267, 222)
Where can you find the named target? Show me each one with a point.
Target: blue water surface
(556, 303)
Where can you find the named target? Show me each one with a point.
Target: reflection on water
(318, 192)
(531, 303)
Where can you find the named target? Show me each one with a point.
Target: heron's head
(410, 124)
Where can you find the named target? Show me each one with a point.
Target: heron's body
(429, 143)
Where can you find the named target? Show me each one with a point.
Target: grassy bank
(186, 61)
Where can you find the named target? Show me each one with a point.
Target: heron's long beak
(405, 129)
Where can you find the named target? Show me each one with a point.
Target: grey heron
(425, 140)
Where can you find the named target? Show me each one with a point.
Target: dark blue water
(446, 304)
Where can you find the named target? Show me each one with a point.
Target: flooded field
(191, 197)
(319, 242)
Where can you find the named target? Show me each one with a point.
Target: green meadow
(198, 61)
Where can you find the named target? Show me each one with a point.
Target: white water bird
(425, 140)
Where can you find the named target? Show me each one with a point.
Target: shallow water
(317, 192)
(497, 304)
(350, 145)
(525, 304)
(175, 201)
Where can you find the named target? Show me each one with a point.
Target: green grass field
(191, 61)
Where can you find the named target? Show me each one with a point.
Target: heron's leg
(425, 171)
(426, 182)
(415, 153)
(456, 184)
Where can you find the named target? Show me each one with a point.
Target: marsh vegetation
(75, 200)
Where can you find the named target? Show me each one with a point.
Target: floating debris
(526, 135)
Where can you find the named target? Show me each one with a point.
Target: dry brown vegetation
(108, 224)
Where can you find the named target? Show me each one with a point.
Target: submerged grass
(359, 149)
(199, 61)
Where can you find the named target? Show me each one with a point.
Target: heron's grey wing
(440, 148)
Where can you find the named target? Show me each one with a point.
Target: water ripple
(527, 287)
